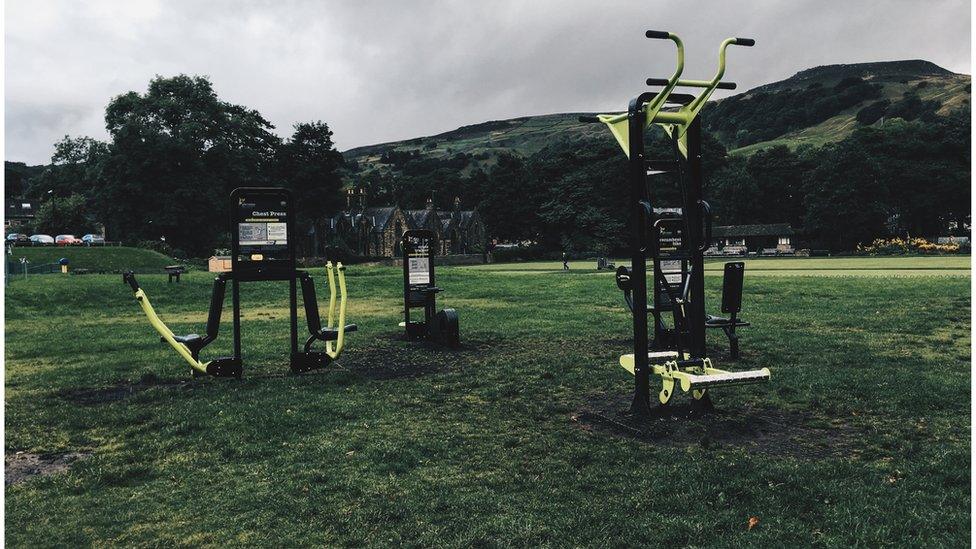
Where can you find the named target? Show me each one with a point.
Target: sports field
(861, 438)
(788, 266)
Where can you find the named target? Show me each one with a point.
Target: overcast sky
(380, 71)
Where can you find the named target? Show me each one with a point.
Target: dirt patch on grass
(395, 357)
(684, 424)
(20, 466)
(90, 396)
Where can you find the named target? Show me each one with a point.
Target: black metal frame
(440, 326)
(277, 270)
(687, 298)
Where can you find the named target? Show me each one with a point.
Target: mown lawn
(98, 258)
(862, 437)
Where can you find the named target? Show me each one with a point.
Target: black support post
(638, 265)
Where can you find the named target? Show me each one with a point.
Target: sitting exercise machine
(418, 247)
(676, 239)
(666, 259)
(731, 306)
(262, 250)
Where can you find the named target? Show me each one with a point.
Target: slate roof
(419, 217)
(743, 231)
(379, 217)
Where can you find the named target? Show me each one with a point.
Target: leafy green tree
(309, 165)
(63, 215)
(847, 201)
(75, 169)
(176, 152)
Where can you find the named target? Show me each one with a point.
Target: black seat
(332, 334)
(731, 305)
(188, 339)
(712, 321)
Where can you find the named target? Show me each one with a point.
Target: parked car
(41, 239)
(93, 239)
(66, 240)
(17, 237)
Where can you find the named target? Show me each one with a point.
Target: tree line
(173, 156)
(903, 178)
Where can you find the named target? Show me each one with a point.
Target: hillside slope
(814, 106)
(825, 104)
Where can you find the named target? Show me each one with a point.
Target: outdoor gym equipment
(731, 305)
(675, 238)
(419, 291)
(262, 249)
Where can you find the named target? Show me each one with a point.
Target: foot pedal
(653, 357)
(312, 360)
(227, 366)
(698, 382)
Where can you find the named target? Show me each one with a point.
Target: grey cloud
(378, 71)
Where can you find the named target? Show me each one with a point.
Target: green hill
(479, 145)
(815, 106)
(100, 258)
(825, 104)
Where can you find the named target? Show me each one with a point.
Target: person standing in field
(565, 262)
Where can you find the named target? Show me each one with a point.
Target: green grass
(99, 258)
(791, 266)
(405, 444)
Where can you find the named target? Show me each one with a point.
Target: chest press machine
(675, 240)
(262, 249)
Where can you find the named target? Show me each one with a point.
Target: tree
(63, 215)
(309, 164)
(75, 169)
(847, 201)
(176, 153)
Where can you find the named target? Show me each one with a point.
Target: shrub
(903, 246)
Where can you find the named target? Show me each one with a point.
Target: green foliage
(176, 153)
(903, 178)
(17, 178)
(63, 215)
(912, 107)
(308, 164)
(873, 112)
(763, 115)
(75, 169)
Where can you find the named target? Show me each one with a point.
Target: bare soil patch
(90, 396)
(396, 357)
(20, 466)
(683, 424)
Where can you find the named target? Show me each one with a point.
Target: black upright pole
(694, 214)
(236, 298)
(638, 264)
(293, 284)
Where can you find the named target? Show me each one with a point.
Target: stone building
(376, 231)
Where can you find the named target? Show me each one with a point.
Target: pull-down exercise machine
(262, 225)
(419, 291)
(675, 240)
